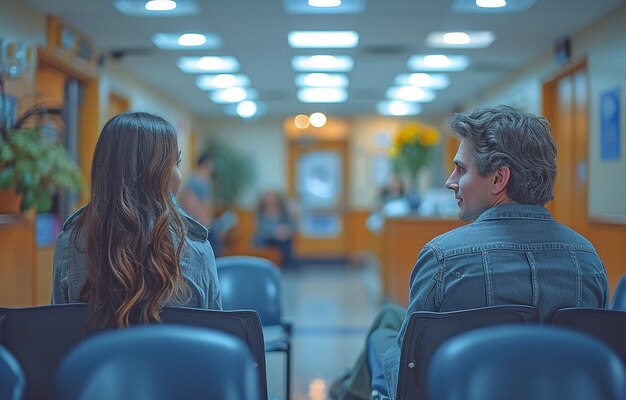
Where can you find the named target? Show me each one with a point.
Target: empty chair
(619, 296)
(159, 363)
(40, 337)
(525, 362)
(426, 331)
(606, 325)
(11, 377)
(254, 283)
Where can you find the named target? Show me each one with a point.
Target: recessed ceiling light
(160, 5)
(456, 38)
(322, 95)
(191, 39)
(467, 39)
(398, 108)
(184, 40)
(491, 3)
(318, 119)
(208, 64)
(324, 3)
(322, 63)
(221, 81)
(410, 93)
(321, 79)
(323, 39)
(234, 94)
(438, 62)
(421, 79)
(247, 109)
(301, 121)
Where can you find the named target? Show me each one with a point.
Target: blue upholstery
(159, 363)
(619, 296)
(254, 283)
(40, 337)
(609, 326)
(518, 362)
(426, 331)
(11, 377)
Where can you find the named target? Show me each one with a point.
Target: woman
(274, 226)
(131, 250)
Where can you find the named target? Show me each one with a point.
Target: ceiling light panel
(322, 95)
(438, 62)
(137, 8)
(233, 94)
(471, 6)
(181, 40)
(222, 81)
(421, 79)
(398, 108)
(323, 39)
(460, 40)
(321, 79)
(194, 65)
(309, 6)
(410, 93)
(322, 63)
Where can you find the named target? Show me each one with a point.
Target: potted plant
(31, 164)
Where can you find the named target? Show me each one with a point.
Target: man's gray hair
(523, 142)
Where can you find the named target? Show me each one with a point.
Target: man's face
(472, 191)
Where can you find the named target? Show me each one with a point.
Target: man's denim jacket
(511, 254)
(197, 264)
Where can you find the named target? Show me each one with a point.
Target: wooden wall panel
(609, 239)
(17, 263)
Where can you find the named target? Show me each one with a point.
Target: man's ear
(500, 180)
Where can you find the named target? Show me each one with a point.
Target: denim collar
(515, 211)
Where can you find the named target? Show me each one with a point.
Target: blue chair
(253, 283)
(40, 337)
(11, 377)
(619, 296)
(608, 326)
(525, 362)
(159, 363)
(426, 331)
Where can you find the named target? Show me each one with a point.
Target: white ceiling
(255, 32)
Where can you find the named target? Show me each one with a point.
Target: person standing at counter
(513, 252)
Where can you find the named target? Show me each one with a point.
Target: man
(513, 252)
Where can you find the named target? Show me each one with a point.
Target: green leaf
(7, 177)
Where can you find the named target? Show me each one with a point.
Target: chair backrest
(40, 337)
(159, 363)
(618, 302)
(244, 324)
(609, 326)
(253, 283)
(525, 362)
(426, 331)
(11, 377)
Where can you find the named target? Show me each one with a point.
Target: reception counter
(402, 240)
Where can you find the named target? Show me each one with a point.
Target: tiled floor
(331, 307)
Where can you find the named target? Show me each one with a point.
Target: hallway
(331, 308)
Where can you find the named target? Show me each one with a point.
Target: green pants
(390, 317)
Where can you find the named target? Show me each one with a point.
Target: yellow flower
(430, 137)
(394, 151)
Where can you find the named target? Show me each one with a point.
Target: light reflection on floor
(331, 308)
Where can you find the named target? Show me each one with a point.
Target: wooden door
(565, 106)
(317, 181)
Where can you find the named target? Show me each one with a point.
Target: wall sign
(609, 124)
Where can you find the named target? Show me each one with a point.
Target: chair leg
(288, 372)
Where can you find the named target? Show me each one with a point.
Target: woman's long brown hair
(134, 234)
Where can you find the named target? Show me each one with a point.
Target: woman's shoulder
(195, 230)
(71, 220)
